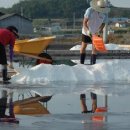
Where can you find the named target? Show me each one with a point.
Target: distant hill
(57, 9)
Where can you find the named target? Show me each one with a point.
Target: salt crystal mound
(110, 71)
(105, 71)
(98, 78)
(61, 79)
(109, 46)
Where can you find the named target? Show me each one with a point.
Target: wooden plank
(10, 73)
(61, 46)
(75, 54)
(32, 100)
(67, 54)
(33, 56)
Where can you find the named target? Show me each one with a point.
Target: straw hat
(100, 6)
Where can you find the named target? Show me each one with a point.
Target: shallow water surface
(65, 107)
(111, 121)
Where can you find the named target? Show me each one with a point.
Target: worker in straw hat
(7, 37)
(94, 21)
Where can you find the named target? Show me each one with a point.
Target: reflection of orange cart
(33, 47)
(33, 105)
(34, 108)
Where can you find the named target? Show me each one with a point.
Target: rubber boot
(93, 59)
(82, 58)
(5, 78)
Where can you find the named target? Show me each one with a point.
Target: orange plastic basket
(98, 43)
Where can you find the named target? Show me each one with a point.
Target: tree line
(35, 9)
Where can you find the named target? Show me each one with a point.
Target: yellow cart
(34, 47)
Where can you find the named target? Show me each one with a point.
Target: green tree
(57, 9)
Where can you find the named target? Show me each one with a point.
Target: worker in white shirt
(94, 20)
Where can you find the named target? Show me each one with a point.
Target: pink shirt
(7, 37)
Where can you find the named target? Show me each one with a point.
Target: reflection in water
(97, 117)
(3, 104)
(30, 104)
(5, 96)
(90, 121)
(33, 105)
(101, 88)
(84, 106)
(97, 122)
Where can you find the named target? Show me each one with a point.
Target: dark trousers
(3, 58)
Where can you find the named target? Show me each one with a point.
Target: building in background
(23, 24)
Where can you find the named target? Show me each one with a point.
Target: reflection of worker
(3, 105)
(83, 103)
(7, 36)
(94, 20)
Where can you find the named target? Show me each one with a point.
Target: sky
(9, 3)
(121, 3)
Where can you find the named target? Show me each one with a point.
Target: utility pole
(74, 20)
(21, 8)
(105, 30)
(105, 34)
(88, 1)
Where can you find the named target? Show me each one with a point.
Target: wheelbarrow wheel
(46, 56)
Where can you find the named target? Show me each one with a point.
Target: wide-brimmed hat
(14, 30)
(98, 8)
